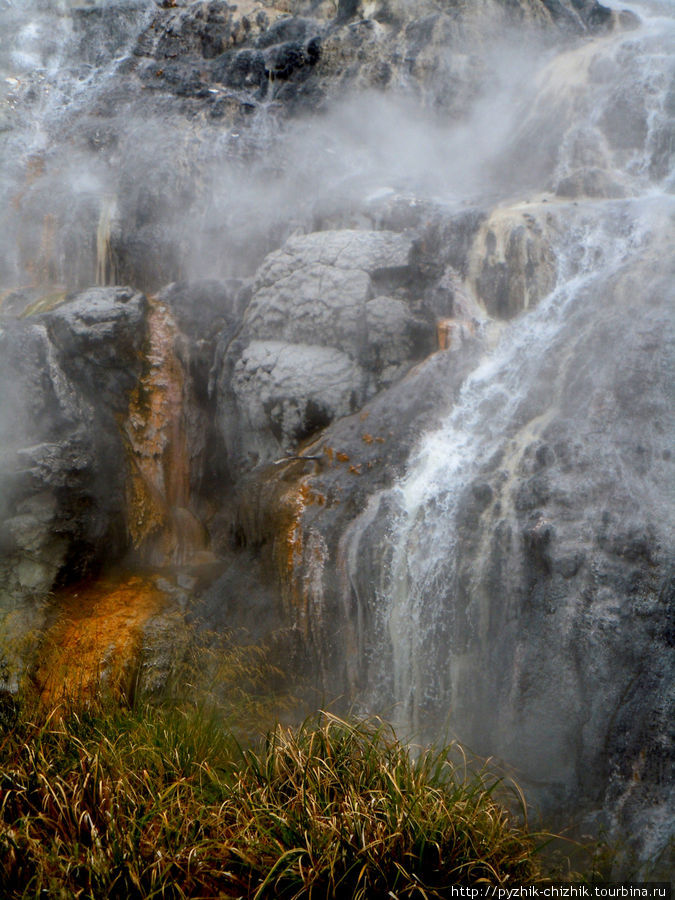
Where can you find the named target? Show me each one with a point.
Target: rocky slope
(398, 386)
(132, 116)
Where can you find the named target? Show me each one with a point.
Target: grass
(163, 802)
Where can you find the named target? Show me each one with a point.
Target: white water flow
(56, 56)
(423, 658)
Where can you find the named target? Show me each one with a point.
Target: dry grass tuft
(164, 802)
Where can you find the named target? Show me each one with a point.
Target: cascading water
(493, 410)
(54, 59)
(486, 623)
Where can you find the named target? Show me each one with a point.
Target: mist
(352, 333)
(186, 199)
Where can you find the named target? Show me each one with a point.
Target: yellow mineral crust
(162, 529)
(96, 639)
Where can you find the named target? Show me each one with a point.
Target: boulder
(282, 393)
(66, 378)
(318, 339)
(97, 336)
(315, 288)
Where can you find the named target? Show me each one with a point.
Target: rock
(394, 336)
(318, 339)
(370, 251)
(313, 303)
(512, 568)
(589, 182)
(314, 290)
(66, 377)
(284, 392)
(98, 335)
(207, 312)
(203, 309)
(243, 70)
(512, 264)
(100, 34)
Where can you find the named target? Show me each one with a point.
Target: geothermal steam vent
(348, 327)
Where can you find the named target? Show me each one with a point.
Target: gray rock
(313, 303)
(98, 336)
(394, 336)
(316, 341)
(284, 392)
(512, 265)
(314, 290)
(66, 377)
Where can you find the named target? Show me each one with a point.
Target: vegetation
(161, 801)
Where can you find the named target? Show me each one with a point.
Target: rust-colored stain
(96, 639)
(451, 332)
(367, 438)
(444, 333)
(290, 545)
(162, 528)
(342, 457)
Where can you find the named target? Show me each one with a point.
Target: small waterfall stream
(494, 410)
(422, 659)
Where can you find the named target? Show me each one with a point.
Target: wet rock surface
(512, 264)
(580, 559)
(66, 376)
(318, 339)
(271, 421)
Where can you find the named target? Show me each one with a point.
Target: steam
(212, 200)
(87, 145)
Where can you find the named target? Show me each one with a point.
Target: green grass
(163, 802)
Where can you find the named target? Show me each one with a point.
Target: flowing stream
(427, 661)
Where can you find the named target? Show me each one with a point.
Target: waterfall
(431, 626)
(489, 414)
(105, 263)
